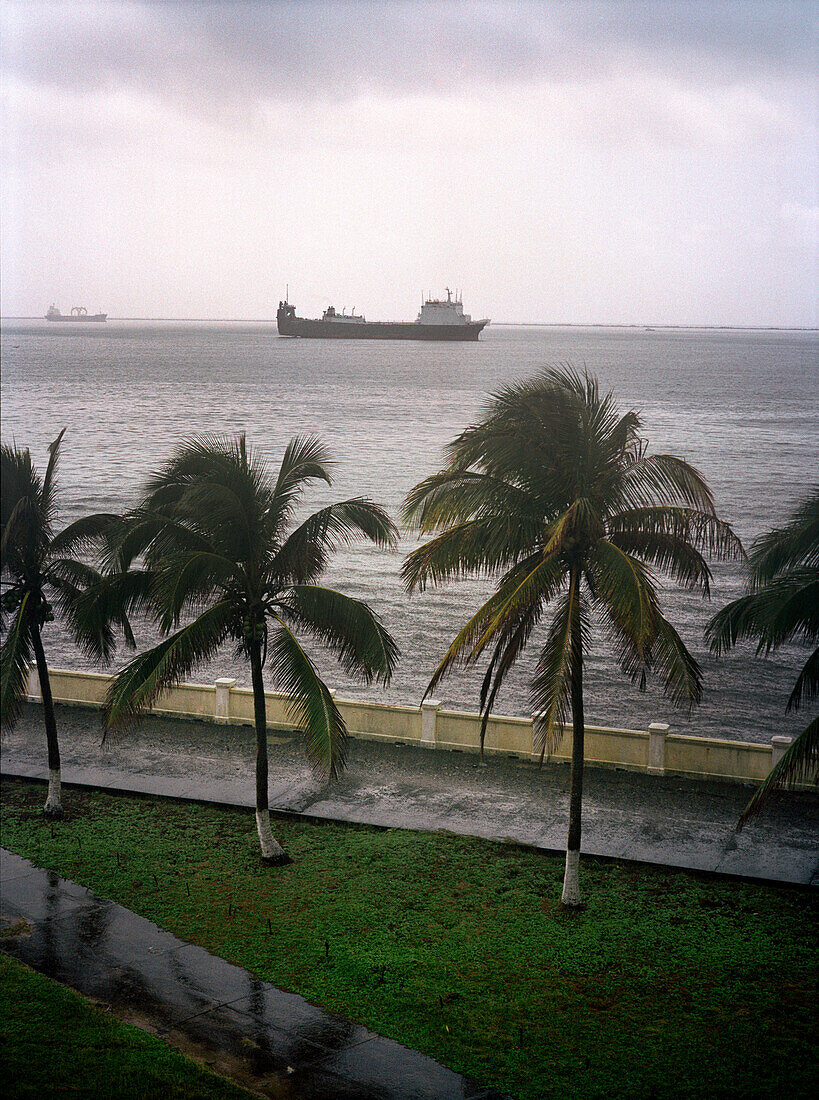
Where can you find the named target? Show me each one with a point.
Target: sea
(741, 405)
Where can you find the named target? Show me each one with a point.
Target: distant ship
(78, 313)
(438, 320)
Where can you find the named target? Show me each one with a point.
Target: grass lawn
(666, 985)
(55, 1043)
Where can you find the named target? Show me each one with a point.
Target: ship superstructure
(445, 311)
(439, 319)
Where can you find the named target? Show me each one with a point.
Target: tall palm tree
(781, 605)
(554, 493)
(39, 571)
(225, 564)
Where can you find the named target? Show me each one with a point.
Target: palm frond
(532, 439)
(525, 587)
(100, 644)
(84, 534)
(795, 545)
(785, 609)
(94, 613)
(47, 498)
(15, 658)
(609, 431)
(148, 674)
(348, 626)
(664, 479)
(521, 593)
(145, 531)
(303, 556)
(10, 600)
(231, 523)
(18, 478)
(68, 580)
(677, 668)
(550, 693)
(798, 764)
(511, 640)
(625, 587)
(738, 619)
(309, 702)
(24, 539)
(479, 546)
(623, 440)
(217, 486)
(210, 457)
(25, 527)
(807, 683)
(684, 525)
(667, 553)
(568, 524)
(455, 496)
(797, 616)
(181, 581)
(461, 651)
(305, 459)
(71, 572)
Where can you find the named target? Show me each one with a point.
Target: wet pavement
(663, 820)
(275, 1042)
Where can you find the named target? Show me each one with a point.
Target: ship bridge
(439, 311)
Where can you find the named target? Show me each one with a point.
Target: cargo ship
(78, 313)
(439, 319)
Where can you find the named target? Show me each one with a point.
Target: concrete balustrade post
(429, 721)
(223, 686)
(33, 683)
(779, 746)
(656, 748)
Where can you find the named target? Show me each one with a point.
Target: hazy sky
(562, 162)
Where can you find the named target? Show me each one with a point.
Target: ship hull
(375, 330)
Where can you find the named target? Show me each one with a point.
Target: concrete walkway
(271, 1041)
(664, 820)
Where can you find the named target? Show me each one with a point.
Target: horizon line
(505, 324)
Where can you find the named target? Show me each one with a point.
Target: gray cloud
(564, 160)
(244, 52)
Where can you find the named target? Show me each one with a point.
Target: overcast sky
(560, 162)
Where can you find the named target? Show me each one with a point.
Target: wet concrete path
(274, 1042)
(664, 820)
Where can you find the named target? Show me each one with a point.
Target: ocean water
(742, 406)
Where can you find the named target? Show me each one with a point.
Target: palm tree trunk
(571, 877)
(53, 805)
(272, 851)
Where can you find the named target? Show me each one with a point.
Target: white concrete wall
(653, 750)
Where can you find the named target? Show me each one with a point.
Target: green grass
(54, 1043)
(666, 985)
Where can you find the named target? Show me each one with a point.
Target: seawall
(655, 750)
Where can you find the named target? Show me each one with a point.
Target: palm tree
(214, 532)
(781, 605)
(39, 571)
(554, 493)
